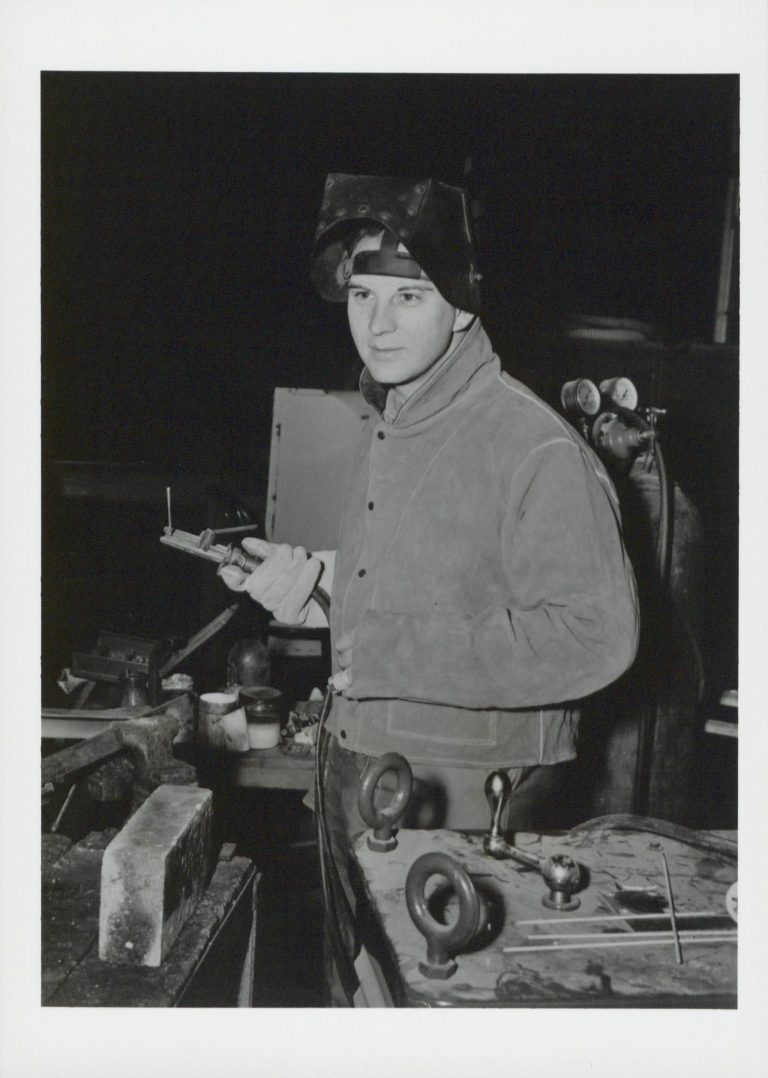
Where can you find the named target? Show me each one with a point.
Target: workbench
(267, 769)
(211, 963)
(621, 869)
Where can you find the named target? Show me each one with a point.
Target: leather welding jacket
(482, 572)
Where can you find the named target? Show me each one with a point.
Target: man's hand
(282, 584)
(343, 679)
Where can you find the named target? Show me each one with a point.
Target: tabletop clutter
(250, 714)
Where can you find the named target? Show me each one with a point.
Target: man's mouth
(384, 351)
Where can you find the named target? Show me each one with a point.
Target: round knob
(383, 819)
(443, 941)
(732, 902)
(562, 875)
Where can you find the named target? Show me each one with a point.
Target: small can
(180, 700)
(211, 708)
(263, 712)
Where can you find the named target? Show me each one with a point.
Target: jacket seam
(571, 437)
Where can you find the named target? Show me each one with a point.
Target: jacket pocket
(439, 724)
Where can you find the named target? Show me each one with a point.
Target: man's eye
(409, 299)
(359, 294)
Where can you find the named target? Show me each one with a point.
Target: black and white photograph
(389, 428)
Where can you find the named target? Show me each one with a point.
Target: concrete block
(153, 875)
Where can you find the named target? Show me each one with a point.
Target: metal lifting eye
(382, 820)
(443, 941)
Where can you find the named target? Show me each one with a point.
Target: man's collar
(446, 380)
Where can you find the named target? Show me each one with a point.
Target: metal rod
(168, 497)
(673, 919)
(57, 822)
(689, 934)
(634, 942)
(235, 531)
(617, 917)
(198, 639)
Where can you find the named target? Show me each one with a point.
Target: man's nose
(381, 318)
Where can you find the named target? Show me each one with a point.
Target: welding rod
(67, 801)
(678, 948)
(634, 942)
(618, 917)
(686, 934)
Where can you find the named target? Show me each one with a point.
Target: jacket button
(362, 572)
(343, 734)
(381, 435)
(370, 505)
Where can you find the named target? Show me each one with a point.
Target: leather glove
(283, 583)
(342, 679)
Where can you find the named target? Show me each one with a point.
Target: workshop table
(624, 873)
(211, 963)
(267, 769)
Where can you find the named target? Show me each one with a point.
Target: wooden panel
(313, 435)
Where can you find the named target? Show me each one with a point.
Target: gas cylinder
(638, 737)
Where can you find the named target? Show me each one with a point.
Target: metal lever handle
(560, 872)
(498, 789)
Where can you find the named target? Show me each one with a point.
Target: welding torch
(203, 546)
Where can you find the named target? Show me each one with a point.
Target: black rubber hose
(705, 841)
(664, 531)
(329, 878)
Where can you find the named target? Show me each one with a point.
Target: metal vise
(136, 752)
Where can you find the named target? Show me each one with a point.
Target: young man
(480, 587)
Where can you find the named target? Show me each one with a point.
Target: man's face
(400, 326)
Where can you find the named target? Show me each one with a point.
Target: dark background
(178, 212)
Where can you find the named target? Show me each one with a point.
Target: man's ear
(461, 320)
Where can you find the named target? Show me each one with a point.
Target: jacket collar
(448, 379)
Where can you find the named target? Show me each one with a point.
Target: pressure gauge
(621, 391)
(580, 397)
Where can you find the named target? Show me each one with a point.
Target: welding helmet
(427, 218)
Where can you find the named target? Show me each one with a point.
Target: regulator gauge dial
(620, 391)
(580, 397)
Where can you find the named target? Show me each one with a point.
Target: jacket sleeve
(567, 626)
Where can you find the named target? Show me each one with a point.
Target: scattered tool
(116, 655)
(621, 917)
(631, 941)
(559, 871)
(60, 815)
(690, 934)
(198, 639)
(670, 899)
(202, 546)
